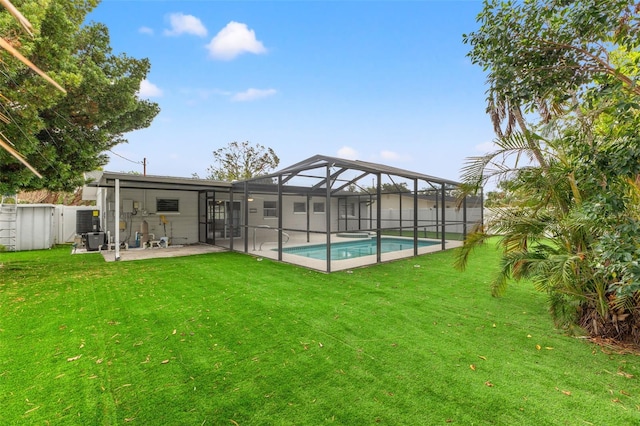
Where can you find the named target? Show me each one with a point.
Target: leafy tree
(241, 160)
(563, 96)
(63, 136)
(389, 188)
(503, 196)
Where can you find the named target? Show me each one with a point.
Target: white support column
(116, 225)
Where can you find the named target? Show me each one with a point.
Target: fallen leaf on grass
(74, 358)
(166, 361)
(568, 393)
(538, 347)
(174, 331)
(473, 367)
(627, 375)
(488, 384)
(482, 357)
(129, 419)
(624, 392)
(99, 361)
(548, 348)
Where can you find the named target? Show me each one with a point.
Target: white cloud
(348, 153)
(389, 155)
(234, 39)
(145, 30)
(185, 24)
(149, 90)
(253, 94)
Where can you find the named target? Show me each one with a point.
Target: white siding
(181, 227)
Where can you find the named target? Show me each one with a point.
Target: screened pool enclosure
(333, 214)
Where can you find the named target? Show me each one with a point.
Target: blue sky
(380, 81)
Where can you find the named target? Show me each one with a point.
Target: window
(318, 208)
(167, 205)
(347, 210)
(270, 209)
(299, 208)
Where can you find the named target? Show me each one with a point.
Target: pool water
(351, 249)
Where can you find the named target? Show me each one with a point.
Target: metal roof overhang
(108, 179)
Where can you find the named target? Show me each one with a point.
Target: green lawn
(225, 339)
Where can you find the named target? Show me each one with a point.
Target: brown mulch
(612, 346)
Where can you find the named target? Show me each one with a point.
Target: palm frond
(475, 238)
(500, 163)
(26, 25)
(499, 285)
(9, 48)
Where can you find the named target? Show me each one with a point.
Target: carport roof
(128, 180)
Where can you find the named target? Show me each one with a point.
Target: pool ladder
(266, 242)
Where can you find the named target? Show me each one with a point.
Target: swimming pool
(352, 249)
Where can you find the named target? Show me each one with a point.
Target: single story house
(325, 213)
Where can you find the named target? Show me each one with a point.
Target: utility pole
(144, 166)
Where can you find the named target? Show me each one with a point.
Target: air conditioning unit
(87, 221)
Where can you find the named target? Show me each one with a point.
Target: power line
(125, 158)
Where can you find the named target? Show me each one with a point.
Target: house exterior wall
(181, 226)
(291, 219)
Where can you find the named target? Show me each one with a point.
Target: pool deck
(345, 264)
(265, 250)
(153, 253)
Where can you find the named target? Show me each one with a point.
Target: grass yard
(225, 339)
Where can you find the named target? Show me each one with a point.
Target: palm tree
(562, 227)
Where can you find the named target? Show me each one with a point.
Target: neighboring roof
(128, 180)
